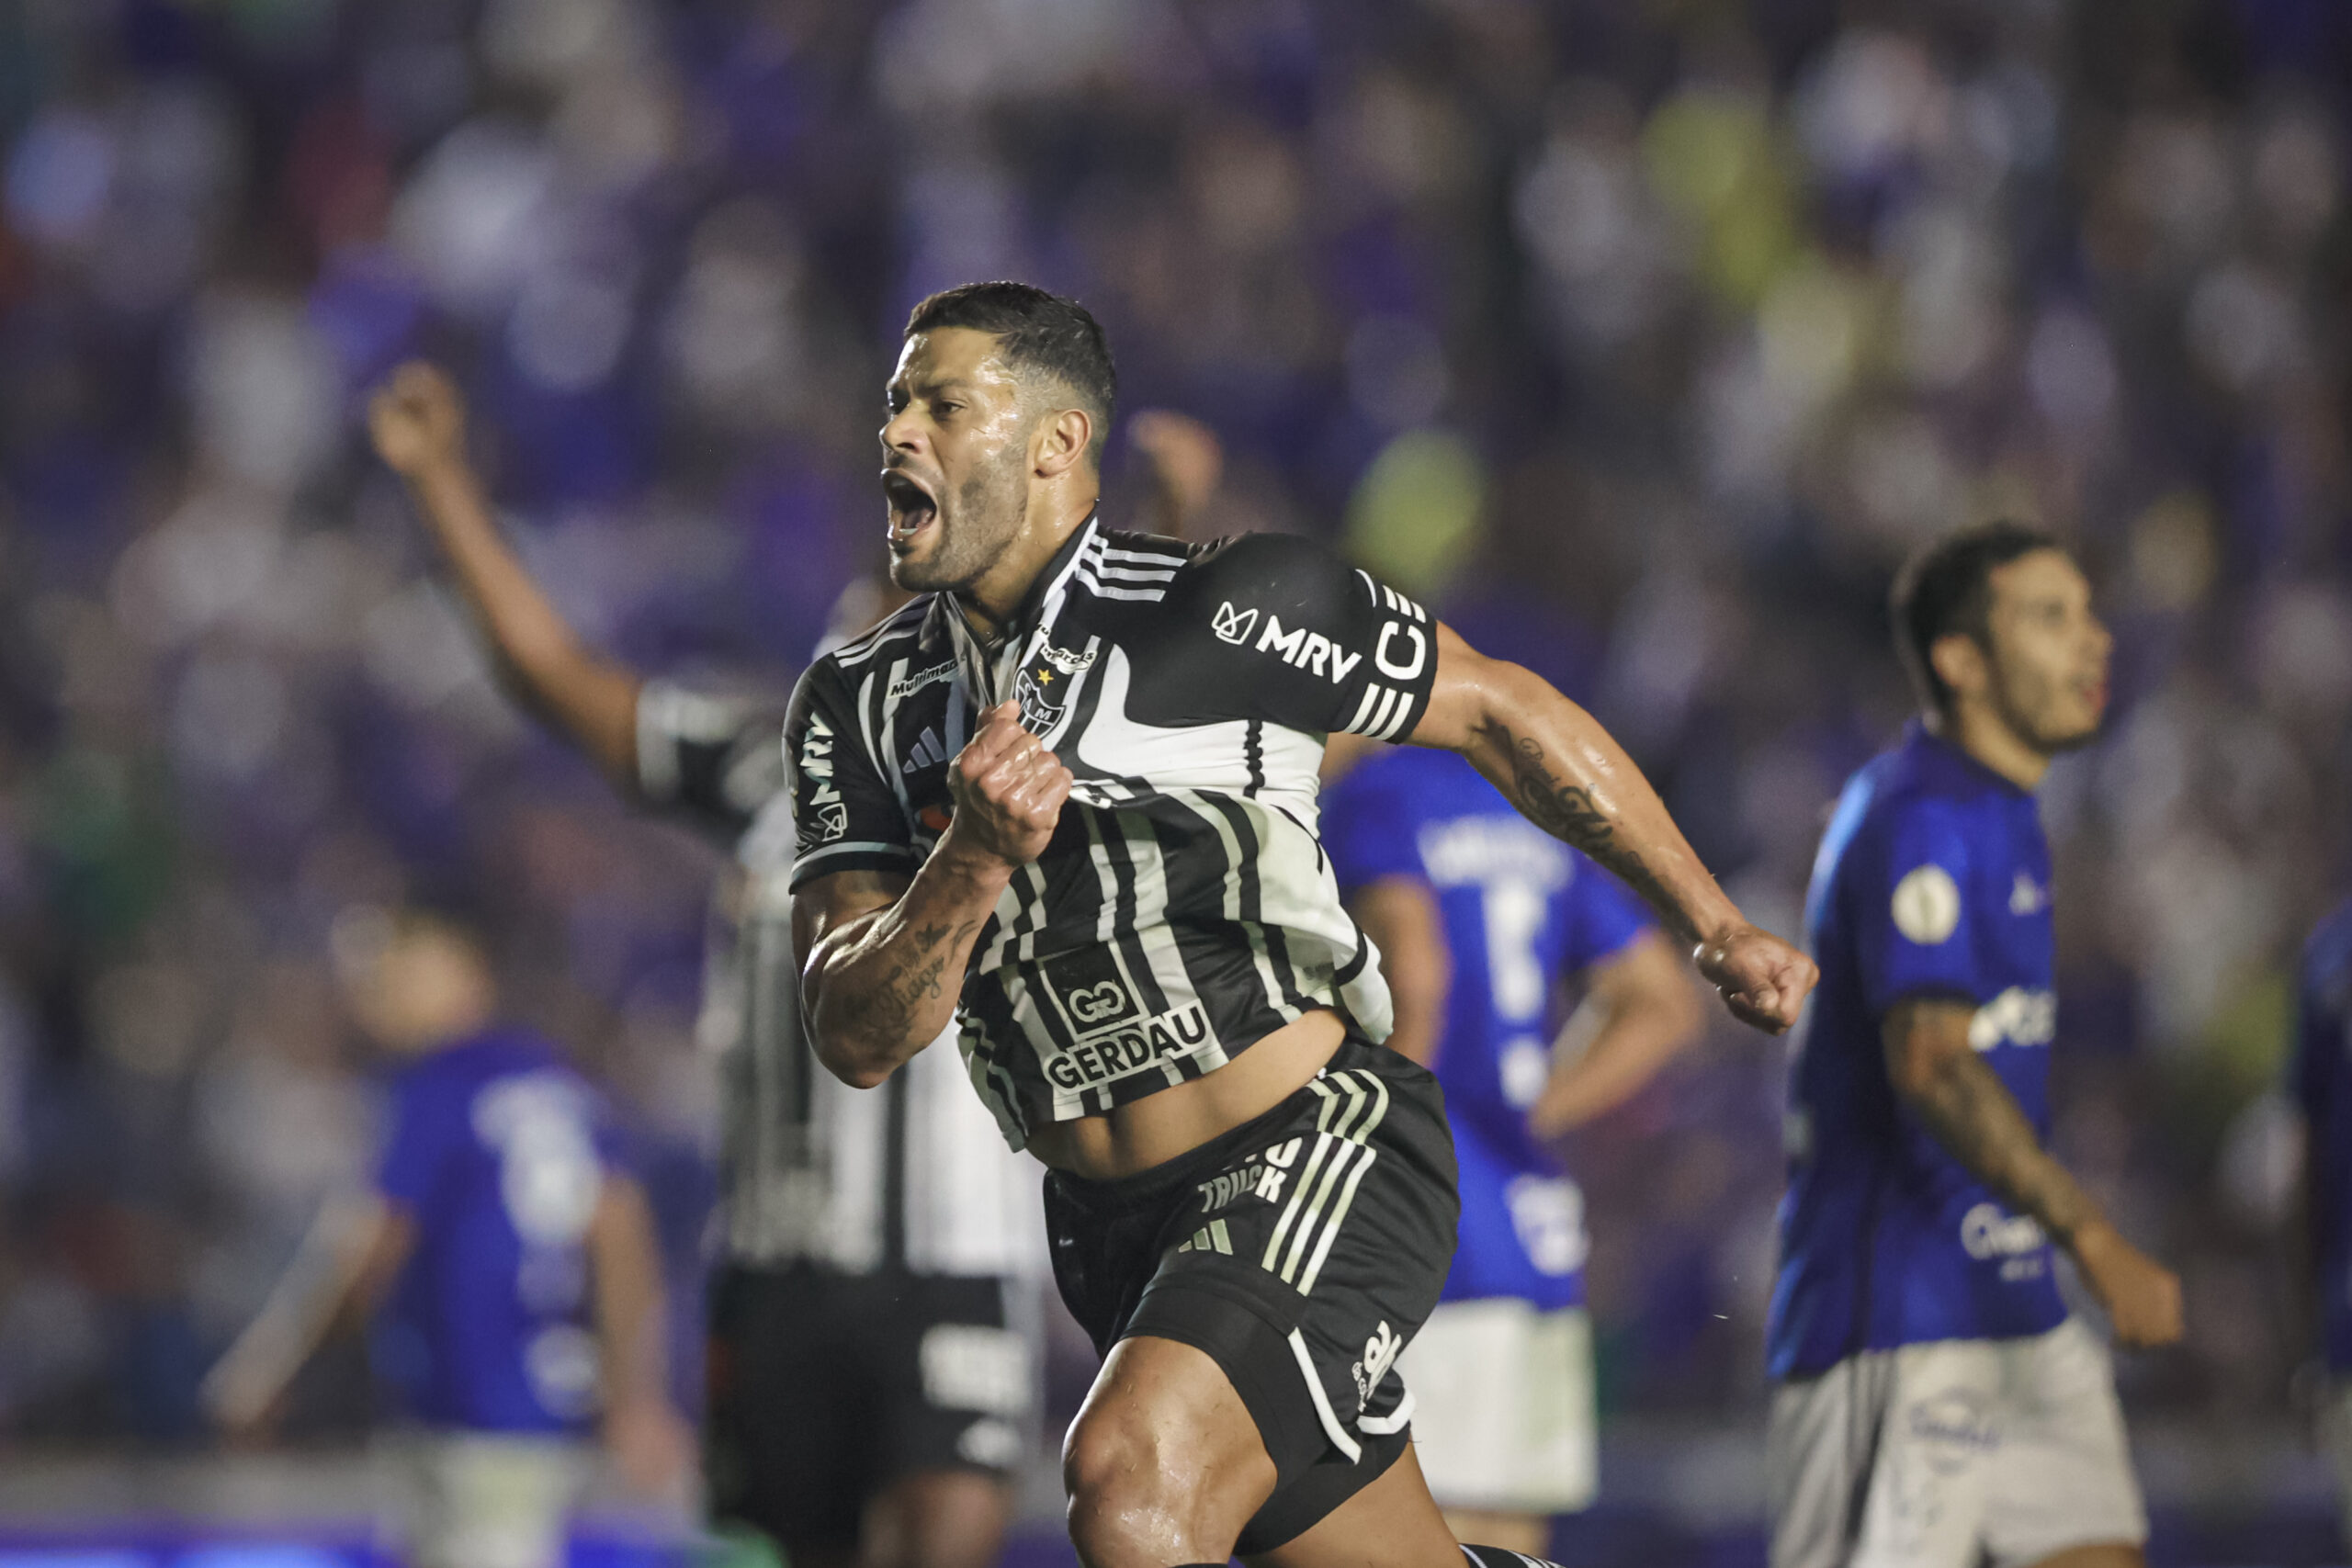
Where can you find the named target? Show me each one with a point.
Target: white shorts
(488, 1500)
(1503, 1416)
(1934, 1455)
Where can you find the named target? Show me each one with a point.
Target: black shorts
(825, 1388)
(1301, 1251)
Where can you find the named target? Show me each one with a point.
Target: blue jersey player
(508, 1256)
(1936, 1405)
(1478, 917)
(2321, 1081)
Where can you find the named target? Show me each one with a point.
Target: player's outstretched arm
(418, 422)
(354, 1247)
(883, 956)
(649, 1440)
(1964, 1102)
(1640, 1011)
(1561, 769)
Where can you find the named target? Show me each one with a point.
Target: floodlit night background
(1643, 336)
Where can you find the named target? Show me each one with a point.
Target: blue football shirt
(2321, 1082)
(498, 1151)
(1933, 880)
(1521, 909)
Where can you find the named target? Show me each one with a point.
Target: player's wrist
(2091, 1239)
(439, 471)
(961, 856)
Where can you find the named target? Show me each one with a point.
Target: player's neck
(1986, 739)
(998, 596)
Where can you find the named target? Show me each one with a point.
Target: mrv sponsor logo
(1294, 645)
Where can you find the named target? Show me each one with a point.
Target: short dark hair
(1035, 331)
(1946, 587)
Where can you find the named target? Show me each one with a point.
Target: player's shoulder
(1270, 568)
(1893, 809)
(837, 673)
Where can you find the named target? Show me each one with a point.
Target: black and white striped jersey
(1184, 908)
(913, 1176)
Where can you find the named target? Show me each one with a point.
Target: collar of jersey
(1943, 754)
(1036, 611)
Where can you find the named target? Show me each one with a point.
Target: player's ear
(1959, 662)
(1063, 437)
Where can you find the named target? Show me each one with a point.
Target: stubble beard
(2029, 721)
(987, 514)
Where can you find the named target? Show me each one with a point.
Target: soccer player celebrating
(867, 1396)
(1477, 915)
(512, 1250)
(2320, 1077)
(1067, 798)
(1936, 1405)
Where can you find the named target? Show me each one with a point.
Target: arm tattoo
(1567, 812)
(1973, 1115)
(891, 1006)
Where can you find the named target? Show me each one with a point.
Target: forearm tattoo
(1567, 812)
(1973, 1115)
(913, 974)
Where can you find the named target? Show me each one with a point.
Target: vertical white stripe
(1338, 1217)
(1303, 1236)
(1324, 1144)
(1356, 726)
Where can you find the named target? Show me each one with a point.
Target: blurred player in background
(1478, 917)
(1936, 1405)
(870, 1391)
(525, 1298)
(2320, 1079)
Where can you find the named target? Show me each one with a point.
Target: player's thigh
(1503, 1416)
(2062, 1480)
(1882, 1462)
(1392, 1523)
(1163, 1431)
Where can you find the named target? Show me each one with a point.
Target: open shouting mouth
(914, 507)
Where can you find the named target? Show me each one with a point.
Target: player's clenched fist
(1762, 980)
(1008, 788)
(417, 419)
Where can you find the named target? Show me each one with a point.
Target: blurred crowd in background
(1644, 336)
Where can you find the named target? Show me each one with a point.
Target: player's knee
(1128, 1484)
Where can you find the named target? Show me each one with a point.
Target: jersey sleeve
(713, 760)
(417, 1147)
(1911, 910)
(1368, 833)
(1604, 916)
(848, 817)
(1279, 628)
